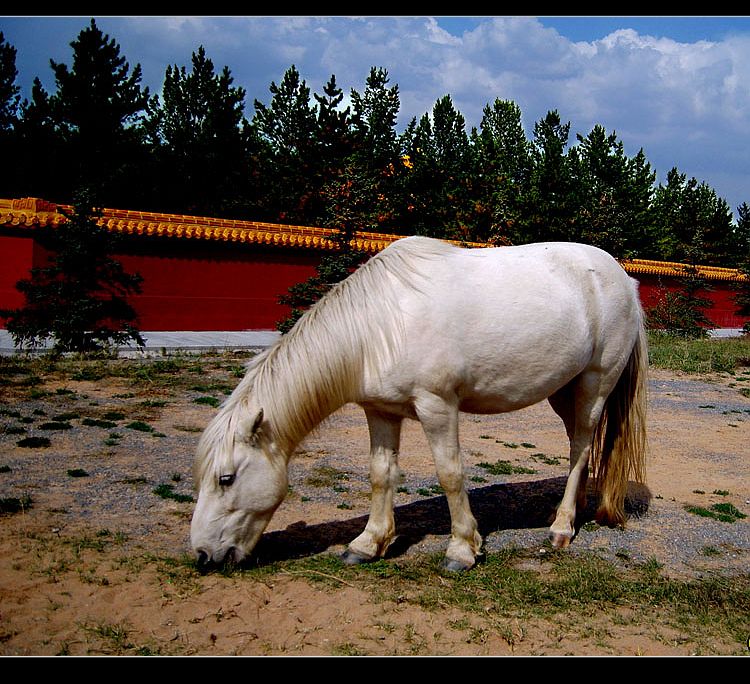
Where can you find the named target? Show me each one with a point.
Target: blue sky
(678, 87)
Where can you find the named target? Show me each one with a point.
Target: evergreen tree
(9, 91)
(79, 299)
(287, 129)
(97, 108)
(41, 152)
(9, 105)
(743, 239)
(375, 112)
(501, 173)
(615, 195)
(334, 135)
(347, 201)
(552, 201)
(693, 224)
(201, 140)
(435, 169)
(376, 162)
(689, 218)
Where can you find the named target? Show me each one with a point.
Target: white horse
(424, 330)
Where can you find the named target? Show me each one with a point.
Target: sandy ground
(97, 565)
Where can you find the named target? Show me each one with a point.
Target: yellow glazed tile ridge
(30, 212)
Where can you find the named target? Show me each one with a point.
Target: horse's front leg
(439, 420)
(385, 434)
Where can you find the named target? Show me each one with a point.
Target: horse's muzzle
(205, 563)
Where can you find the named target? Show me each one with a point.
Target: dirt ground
(97, 564)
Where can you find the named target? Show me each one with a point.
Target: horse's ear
(257, 423)
(250, 429)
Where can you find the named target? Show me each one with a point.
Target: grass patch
(14, 430)
(208, 401)
(188, 428)
(725, 512)
(4, 469)
(139, 426)
(505, 468)
(114, 415)
(548, 460)
(325, 476)
(98, 422)
(154, 403)
(166, 491)
(724, 355)
(64, 417)
(34, 443)
(77, 472)
(12, 504)
(432, 490)
(55, 425)
(565, 588)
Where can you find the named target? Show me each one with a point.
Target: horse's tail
(619, 446)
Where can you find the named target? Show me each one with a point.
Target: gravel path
(699, 429)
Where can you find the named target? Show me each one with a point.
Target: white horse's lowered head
(425, 330)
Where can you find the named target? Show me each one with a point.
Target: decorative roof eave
(675, 270)
(31, 213)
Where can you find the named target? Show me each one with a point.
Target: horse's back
(504, 327)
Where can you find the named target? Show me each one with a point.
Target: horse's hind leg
(439, 420)
(379, 533)
(579, 404)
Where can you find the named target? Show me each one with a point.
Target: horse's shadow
(518, 505)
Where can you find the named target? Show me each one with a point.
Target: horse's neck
(299, 399)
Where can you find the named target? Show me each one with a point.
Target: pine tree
(9, 91)
(97, 109)
(376, 161)
(201, 140)
(743, 238)
(552, 200)
(501, 173)
(347, 200)
(286, 128)
(435, 181)
(615, 195)
(79, 299)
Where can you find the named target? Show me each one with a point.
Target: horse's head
(241, 479)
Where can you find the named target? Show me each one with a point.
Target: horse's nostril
(202, 560)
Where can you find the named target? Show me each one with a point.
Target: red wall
(187, 285)
(16, 258)
(722, 293)
(218, 287)
(202, 285)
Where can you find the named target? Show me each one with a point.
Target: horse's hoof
(452, 565)
(350, 557)
(559, 540)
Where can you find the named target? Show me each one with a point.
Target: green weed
(34, 443)
(166, 491)
(14, 504)
(725, 512)
(139, 426)
(505, 468)
(209, 401)
(98, 422)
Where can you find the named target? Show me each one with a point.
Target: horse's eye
(226, 480)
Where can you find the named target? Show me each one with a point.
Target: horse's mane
(321, 363)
